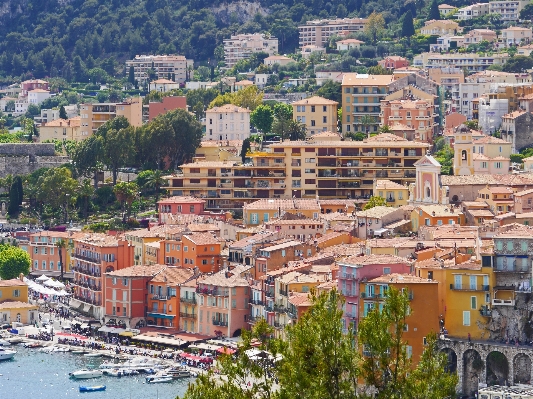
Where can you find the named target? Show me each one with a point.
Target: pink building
(419, 115)
(523, 202)
(29, 85)
(179, 205)
(355, 269)
(168, 103)
(223, 302)
(393, 62)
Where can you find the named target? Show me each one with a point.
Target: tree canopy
(13, 262)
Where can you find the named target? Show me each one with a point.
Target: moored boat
(86, 373)
(6, 354)
(156, 379)
(92, 354)
(92, 389)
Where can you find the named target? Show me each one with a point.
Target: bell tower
(463, 162)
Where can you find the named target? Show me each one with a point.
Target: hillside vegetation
(52, 38)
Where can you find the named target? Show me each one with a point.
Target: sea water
(33, 374)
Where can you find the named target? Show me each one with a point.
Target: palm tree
(155, 180)
(366, 121)
(86, 191)
(61, 244)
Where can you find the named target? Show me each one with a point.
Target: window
(312, 108)
(125, 282)
(386, 270)
(114, 281)
(509, 245)
(457, 282)
(313, 122)
(185, 248)
(473, 302)
(466, 318)
(16, 293)
(409, 351)
(233, 303)
(254, 218)
(52, 265)
(426, 221)
(498, 165)
(265, 217)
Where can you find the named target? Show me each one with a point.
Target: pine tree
(408, 28)
(131, 75)
(62, 113)
(434, 12)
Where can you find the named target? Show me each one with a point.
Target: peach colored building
(61, 129)
(393, 62)
(126, 295)
(418, 114)
(94, 255)
(167, 104)
(164, 297)
(179, 205)
(523, 201)
(223, 299)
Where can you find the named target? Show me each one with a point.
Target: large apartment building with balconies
(302, 169)
(419, 115)
(318, 32)
(92, 116)
(240, 47)
(165, 66)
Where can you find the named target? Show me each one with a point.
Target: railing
(503, 302)
(92, 287)
(375, 295)
(161, 297)
(86, 258)
(292, 315)
(269, 308)
(214, 292)
(461, 287)
(485, 312)
(86, 271)
(256, 302)
(188, 315)
(269, 294)
(283, 292)
(280, 309)
(220, 323)
(390, 200)
(188, 300)
(88, 300)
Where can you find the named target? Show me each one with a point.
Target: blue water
(38, 375)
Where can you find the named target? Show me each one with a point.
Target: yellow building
(318, 114)
(499, 199)
(464, 295)
(14, 306)
(361, 96)
(95, 115)
(61, 129)
(395, 194)
(219, 151)
(301, 169)
(463, 160)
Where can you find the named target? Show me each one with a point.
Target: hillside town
(189, 205)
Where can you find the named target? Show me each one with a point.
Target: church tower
(463, 161)
(428, 189)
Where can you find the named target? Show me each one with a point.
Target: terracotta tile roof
(201, 238)
(327, 134)
(12, 283)
(376, 213)
(164, 81)
(490, 140)
(400, 126)
(397, 278)
(17, 305)
(173, 275)
(356, 79)
(277, 57)
(294, 222)
(514, 114)
(199, 227)
(300, 299)
(98, 240)
(297, 277)
(478, 213)
(72, 122)
(500, 190)
(388, 185)
(49, 233)
(181, 200)
(374, 260)
(284, 204)
(347, 41)
(138, 271)
(228, 279)
(315, 100)
(518, 231)
(230, 107)
(209, 164)
(336, 202)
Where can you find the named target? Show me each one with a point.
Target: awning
(227, 351)
(379, 232)
(161, 315)
(86, 308)
(126, 334)
(105, 329)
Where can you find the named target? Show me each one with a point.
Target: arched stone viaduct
(487, 362)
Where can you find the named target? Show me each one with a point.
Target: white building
(509, 10)
(21, 106)
(515, 36)
(261, 79)
(242, 46)
(48, 115)
(473, 11)
(37, 96)
(277, 59)
(318, 32)
(227, 122)
(165, 66)
(491, 112)
(163, 85)
(470, 61)
(467, 93)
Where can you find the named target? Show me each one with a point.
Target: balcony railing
(214, 292)
(280, 309)
(94, 273)
(88, 300)
(503, 302)
(283, 292)
(256, 302)
(93, 287)
(461, 287)
(188, 300)
(188, 315)
(161, 297)
(485, 311)
(269, 294)
(220, 323)
(86, 258)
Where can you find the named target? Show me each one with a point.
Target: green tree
(87, 157)
(518, 63)
(61, 245)
(375, 26)
(356, 136)
(527, 12)
(62, 113)
(126, 192)
(155, 180)
(434, 12)
(408, 28)
(131, 75)
(331, 90)
(379, 70)
(245, 149)
(517, 158)
(262, 118)
(118, 146)
(367, 121)
(15, 197)
(13, 262)
(85, 192)
(319, 358)
(283, 111)
(375, 201)
(57, 189)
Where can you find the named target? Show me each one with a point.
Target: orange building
(94, 255)
(164, 296)
(224, 302)
(435, 215)
(201, 250)
(44, 253)
(126, 295)
(419, 115)
(423, 302)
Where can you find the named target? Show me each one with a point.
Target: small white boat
(157, 379)
(6, 354)
(3, 342)
(86, 373)
(92, 354)
(79, 352)
(60, 349)
(15, 340)
(120, 372)
(178, 372)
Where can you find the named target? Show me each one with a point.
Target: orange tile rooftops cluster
(203, 238)
(397, 278)
(12, 282)
(173, 275)
(138, 271)
(16, 305)
(225, 278)
(315, 100)
(388, 185)
(99, 240)
(374, 260)
(178, 199)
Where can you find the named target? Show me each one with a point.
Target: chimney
(21, 277)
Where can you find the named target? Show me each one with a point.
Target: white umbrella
(42, 278)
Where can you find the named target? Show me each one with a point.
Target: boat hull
(92, 389)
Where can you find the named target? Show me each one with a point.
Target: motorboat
(157, 379)
(178, 372)
(86, 373)
(60, 349)
(79, 352)
(92, 389)
(33, 345)
(3, 342)
(120, 372)
(6, 354)
(15, 340)
(92, 354)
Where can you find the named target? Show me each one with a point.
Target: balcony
(86, 258)
(280, 309)
(88, 300)
(390, 199)
(283, 292)
(485, 311)
(256, 302)
(188, 315)
(461, 287)
(93, 273)
(92, 287)
(292, 314)
(222, 323)
(269, 294)
(188, 300)
(502, 302)
(214, 292)
(161, 297)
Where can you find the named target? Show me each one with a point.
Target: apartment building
(419, 114)
(448, 78)
(92, 257)
(423, 297)
(242, 46)
(164, 297)
(227, 122)
(95, 115)
(61, 129)
(223, 302)
(301, 169)
(355, 269)
(49, 115)
(317, 32)
(362, 95)
(394, 62)
(188, 306)
(170, 67)
(348, 44)
(277, 59)
(44, 252)
(473, 11)
(469, 61)
(126, 294)
(446, 9)
(515, 36)
(33, 84)
(476, 36)
(395, 194)
(14, 306)
(508, 9)
(168, 103)
(440, 27)
(179, 205)
(318, 114)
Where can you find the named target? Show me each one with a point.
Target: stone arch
(497, 368)
(451, 355)
(473, 366)
(455, 198)
(109, 269)
(522, 369)
(237, 333)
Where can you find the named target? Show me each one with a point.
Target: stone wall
(22, 165)
(523, 135)
(32, 149)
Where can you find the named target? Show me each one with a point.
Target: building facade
(316, 113)
(242, 46)
(170, 67)
(318, 32)
(95, 115)
(227, 122)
